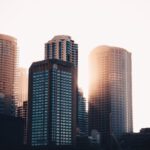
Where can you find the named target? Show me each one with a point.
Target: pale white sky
(123, 23)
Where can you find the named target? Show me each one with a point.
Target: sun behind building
(110, 91)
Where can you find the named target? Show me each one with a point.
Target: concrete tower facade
(8, 60)
(110, 91)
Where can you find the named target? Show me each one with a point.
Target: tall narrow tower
(8, 57)
(62, 47)
(110, 91)
(52, 106)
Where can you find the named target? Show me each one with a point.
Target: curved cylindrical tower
(110, 91)
(8, 56)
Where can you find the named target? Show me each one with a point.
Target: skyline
(119, 23)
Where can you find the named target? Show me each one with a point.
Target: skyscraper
(52, 108)
(110, 91)
(8, 60)
(62, 47)
(52, 103)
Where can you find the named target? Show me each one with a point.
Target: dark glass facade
(52, 103)
(39, 108)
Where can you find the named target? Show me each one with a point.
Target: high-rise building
(82, 116)
(8, 60)
(62, 47)
(21, 86)
(110, 91)
(52, 103)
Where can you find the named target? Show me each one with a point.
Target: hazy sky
(123, 23)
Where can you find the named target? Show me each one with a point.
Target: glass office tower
(62, 47)
(110, 91)
(52, 103)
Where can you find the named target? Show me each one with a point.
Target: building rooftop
(7, 37)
